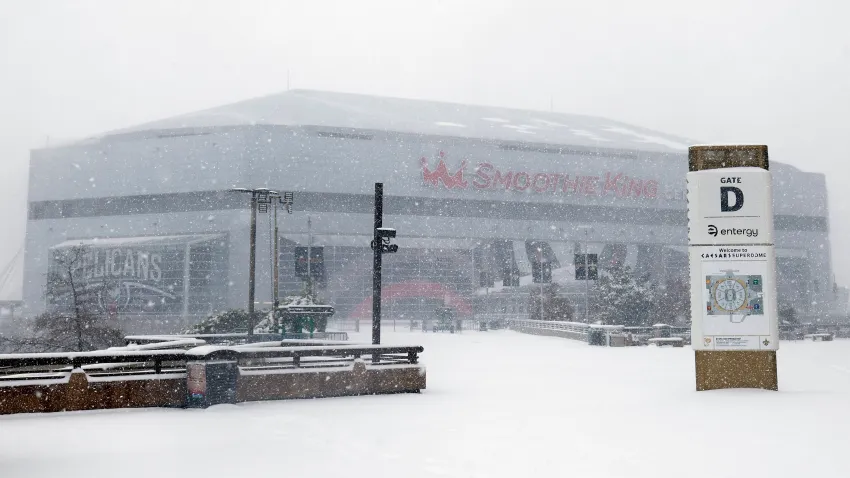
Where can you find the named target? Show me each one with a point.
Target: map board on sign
(732, 285)
(732, 293)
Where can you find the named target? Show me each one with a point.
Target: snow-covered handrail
(326, 337)
(78, 359)
(147, 339)
(575, 327)
(214, 352)
(293, 343)
(183, 343)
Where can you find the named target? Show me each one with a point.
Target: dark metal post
(376, 265)
(309, 257)
(586, 282)
(276, 271)
(253, 264)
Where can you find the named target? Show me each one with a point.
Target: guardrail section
(568, 330)
(608, 335)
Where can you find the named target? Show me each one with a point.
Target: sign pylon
(734, 310)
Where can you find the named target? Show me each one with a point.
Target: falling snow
(498, 404)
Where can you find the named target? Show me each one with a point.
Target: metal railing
(20, 368)
(580, 330)
(573, 327)
(234, 338)
(256, 358)
(342, 325)
(641, 335)
(415, 325)
(799, 331)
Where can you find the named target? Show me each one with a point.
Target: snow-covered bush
(235, 320)
(623, 300)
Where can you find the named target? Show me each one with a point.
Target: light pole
(377, 242)
(540, 261)
(276, 266)
(380, 245)
(260, 199)
(309, 257)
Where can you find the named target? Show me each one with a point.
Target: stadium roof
(345, 110)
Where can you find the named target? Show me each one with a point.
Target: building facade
(458, 180)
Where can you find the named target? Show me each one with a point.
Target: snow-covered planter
(304, 312)
(225, 322)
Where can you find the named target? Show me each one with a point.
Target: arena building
(467, 187)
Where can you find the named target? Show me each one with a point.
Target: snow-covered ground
(498, 404)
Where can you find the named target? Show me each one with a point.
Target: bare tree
(546, 304)
(75, 319)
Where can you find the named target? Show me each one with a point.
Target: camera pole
(376, 265)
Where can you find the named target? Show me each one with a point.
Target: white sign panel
(732, 298)
(730, 206)
(732, 258)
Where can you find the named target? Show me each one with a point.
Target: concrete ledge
(356, 380)
(214, 376)
(81, 393)
(551, 333)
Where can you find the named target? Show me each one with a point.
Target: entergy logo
(441, 174)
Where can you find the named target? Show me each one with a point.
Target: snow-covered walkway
(498, 404)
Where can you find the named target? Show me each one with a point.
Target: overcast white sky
(759, 71)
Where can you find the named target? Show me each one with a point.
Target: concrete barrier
(359, 379)
(32, 383)
(566, 334)
(80, 392)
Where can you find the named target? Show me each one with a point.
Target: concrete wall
(82, 392)
(359, 380)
